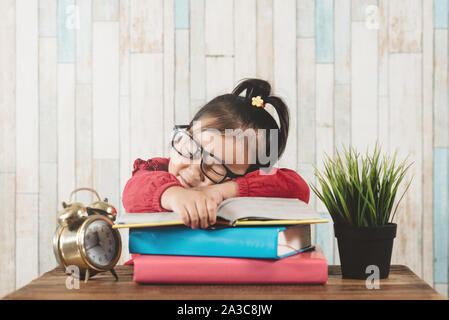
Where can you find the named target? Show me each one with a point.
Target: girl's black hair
(233, 111)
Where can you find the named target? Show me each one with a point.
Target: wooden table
(401, 284)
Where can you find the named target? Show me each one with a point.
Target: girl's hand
(220, 192)
(196, 208)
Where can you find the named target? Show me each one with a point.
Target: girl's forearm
(229, 189)
(167, 196)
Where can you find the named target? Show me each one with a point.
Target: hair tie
(258, 102)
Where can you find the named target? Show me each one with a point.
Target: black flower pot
(360, 247)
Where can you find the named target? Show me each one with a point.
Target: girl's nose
(195, 173)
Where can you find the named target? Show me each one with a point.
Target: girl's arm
(279, 183)
(152, 189)
(149, 180)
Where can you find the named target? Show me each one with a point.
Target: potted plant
(359, 193)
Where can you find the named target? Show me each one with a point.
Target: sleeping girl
(228, 150)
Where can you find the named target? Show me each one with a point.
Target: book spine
(205, 270)
(226, 242)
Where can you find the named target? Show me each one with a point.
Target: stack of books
(255, 240)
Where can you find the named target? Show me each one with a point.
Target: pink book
(307, 267)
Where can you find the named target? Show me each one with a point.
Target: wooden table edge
(431, 294)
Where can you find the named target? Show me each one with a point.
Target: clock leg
(114, 274)
(86, 278)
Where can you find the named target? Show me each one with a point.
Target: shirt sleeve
(143, 191)
(154, 164)
(277, 183)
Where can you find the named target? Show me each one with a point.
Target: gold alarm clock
(85, 238)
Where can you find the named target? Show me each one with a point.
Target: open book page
(257, 208)
(293, 239)
(156, 218)
(232, 210)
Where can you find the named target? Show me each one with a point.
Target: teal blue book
(273, 242)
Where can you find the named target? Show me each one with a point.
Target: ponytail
(261, 88)
(284, 121)
(254, 88)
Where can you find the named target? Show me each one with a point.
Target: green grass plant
(360, 190)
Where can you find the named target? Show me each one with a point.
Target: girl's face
(233, 152)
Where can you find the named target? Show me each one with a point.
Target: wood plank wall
(87, 86)
(440, 145)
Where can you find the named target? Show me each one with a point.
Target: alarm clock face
(101, 243)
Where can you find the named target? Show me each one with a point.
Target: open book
(240, 211)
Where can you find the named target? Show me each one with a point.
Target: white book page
(259, 208)
(149, 217)
(254, 208)
(293, 239)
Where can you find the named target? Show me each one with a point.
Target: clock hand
(94, 243)
(99, 241)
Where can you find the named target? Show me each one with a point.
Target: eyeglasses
(211, 166)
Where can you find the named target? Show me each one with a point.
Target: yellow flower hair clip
(258, 102)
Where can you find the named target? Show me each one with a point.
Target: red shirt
(151, 178)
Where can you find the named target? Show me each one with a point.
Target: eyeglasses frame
(183, 129)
